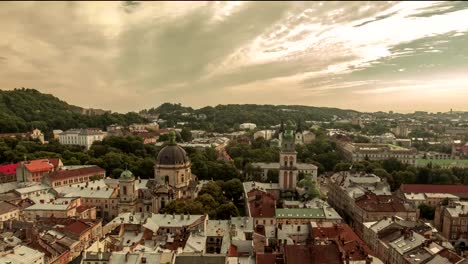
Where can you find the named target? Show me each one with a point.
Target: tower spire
(299, 126)
(172, 138)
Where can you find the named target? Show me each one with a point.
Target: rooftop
(93, 189)
(345, 237)
(21, 254)
(251, 185)
(33, 188)
(74, 172)
(460, 208)
(261, 204)
(39, 165)
(404, 244)
(6, 207)
(8, 169)
(434, 188)
(298, 213)
(382, 203)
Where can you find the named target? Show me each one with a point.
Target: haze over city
(126, 56)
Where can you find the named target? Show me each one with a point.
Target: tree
(186, 135)
(342, 166)
(427, 211)
(233, 189)
(392, 164)
(272, 176)
(423, 176)
(226, 211)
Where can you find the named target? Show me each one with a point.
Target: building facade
(81, 137)
(356, 152)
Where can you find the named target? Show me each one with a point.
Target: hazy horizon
(128, 56)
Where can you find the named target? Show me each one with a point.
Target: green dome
(288, 134)
(126, 174)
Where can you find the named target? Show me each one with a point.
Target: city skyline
(127, 56)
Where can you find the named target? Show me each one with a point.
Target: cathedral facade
(172, 180)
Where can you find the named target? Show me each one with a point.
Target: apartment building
(355, 152)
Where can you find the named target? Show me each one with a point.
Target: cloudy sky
(126, 56)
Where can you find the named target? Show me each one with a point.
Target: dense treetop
(22, 110)
(223, 118)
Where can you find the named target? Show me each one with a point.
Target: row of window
(71, 181)
(8, 216)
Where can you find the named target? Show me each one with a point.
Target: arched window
(124, 189)
(166, 179)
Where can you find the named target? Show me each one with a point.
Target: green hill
(223, 117)
(23, 109)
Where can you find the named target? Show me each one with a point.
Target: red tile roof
(345, 238)
(65, 174)
(433, 188)
(261, 204)
(8, 169)
(298, 254)
(55, 162)
(39, 165)
(380, 203)
(267, 258)
(77, 227)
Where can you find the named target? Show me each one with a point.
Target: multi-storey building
(345, 188)
(458, 190)
(60, 208)
(35, 170)
(8, 172)
(361, 151)
(373, 207)
(81, 137)
(301, 216)
(74, 174)
(453, 222)
(261, 207)
(8, 211)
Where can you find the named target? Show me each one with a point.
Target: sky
(128, 56)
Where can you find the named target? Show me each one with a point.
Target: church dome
(126, 174)
(172, 154)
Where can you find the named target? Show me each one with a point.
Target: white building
(266, 134)
(81, 137)
(248, 126)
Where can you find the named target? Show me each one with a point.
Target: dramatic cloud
(124, 56)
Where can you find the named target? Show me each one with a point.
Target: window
(298, 228)
(124, 188)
